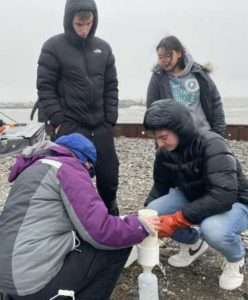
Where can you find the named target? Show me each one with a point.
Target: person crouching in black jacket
(197, 183)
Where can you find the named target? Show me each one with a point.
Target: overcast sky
(213, 31)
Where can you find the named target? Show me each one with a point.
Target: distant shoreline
(29, 105)
(125, 103)
(13, 105)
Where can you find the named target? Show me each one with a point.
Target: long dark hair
(170, 43)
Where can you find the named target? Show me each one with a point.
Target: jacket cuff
(57, 119)
(111, 118)
(181, 219)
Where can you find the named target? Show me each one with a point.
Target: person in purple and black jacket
(55, 230)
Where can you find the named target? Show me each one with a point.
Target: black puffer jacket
(77, 78)
(159, 88)
(202, 166)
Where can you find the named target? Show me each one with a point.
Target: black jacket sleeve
(47, 79)
(153, 91)
(218, 115)
(111, 91)
(221, 183)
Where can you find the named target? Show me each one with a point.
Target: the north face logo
(97, 51)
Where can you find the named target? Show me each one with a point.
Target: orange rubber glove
(169, 223)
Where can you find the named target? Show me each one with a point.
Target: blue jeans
(222, 231)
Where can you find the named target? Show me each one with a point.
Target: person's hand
(152, 223)
(56, 130)
(169, 223)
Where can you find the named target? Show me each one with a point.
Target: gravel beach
(199, 281)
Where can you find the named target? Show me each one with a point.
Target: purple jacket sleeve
(89, 215)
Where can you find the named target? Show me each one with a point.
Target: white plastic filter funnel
(148, 249)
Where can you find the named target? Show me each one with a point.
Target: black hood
(169, 114)
(71, 8)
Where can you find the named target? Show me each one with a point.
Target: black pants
(91, 274)
(107, 166)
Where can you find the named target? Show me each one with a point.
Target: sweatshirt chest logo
(191, 85)
(185, 90)
(97, 51)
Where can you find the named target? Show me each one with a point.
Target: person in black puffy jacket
(78, 90)
(199, 190)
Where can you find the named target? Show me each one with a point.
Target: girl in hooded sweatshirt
(178, 77)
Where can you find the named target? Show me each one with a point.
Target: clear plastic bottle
(148, 286)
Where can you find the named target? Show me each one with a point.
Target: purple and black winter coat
(52, 201)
